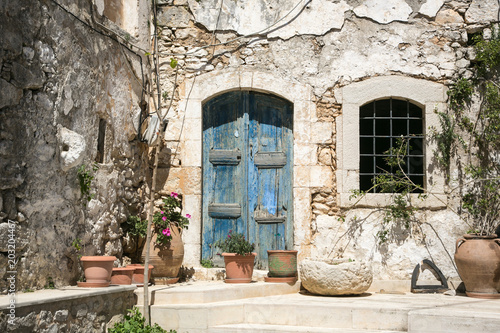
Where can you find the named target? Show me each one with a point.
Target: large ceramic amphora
(166, 259)
(478, 264)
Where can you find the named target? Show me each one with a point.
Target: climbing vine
(471, 125)
(400, 212)
(477, 133)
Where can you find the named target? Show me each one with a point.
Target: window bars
(381, 123)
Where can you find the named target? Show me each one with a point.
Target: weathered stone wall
(59, 77)
(78, 313)
(306, 51)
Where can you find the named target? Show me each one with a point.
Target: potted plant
(166, 247)
(282, 266)
(476, 131)
(238, 257)
(97, 269)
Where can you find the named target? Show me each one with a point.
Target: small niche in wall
(123, 13)
(113, 10)
(100, 141)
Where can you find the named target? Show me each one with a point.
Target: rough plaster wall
(326, 45)
(58, 78)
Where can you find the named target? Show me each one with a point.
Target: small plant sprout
(85, 176)
(77, 244)
(173, 63)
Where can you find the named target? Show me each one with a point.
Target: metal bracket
(224, 156)
(270, 160)
(428, 289)
(224, 211)
(262, 216)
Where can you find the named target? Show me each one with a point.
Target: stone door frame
(305, 165)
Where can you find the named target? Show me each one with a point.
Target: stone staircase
(216, 307)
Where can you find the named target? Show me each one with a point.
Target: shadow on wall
(201, 273)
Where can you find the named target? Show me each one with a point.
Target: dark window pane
(416, 146)
(415, 111)
(366, 145)
(418, 180)
(416, 165)
(382, 166)
(366, 110)
(366, 127)
(416, 126)
(382, 145)
(382, 127)
(366, 164)
(399, 127)
(399, 108)
(383, 108)
(365, 182)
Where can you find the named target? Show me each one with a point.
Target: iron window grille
(381, 123)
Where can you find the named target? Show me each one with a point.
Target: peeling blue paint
(252, 170)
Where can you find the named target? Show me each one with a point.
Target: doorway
(248, 172)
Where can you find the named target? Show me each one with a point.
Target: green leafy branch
(136, 227)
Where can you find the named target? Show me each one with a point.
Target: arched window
(382, 125)
(375, 113)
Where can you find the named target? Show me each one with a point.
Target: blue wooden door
(247, 172)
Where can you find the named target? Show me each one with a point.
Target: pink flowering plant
(235, 243)
(169, 216)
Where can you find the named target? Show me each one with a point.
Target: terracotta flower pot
(478, 259)
(122, 275)
(282, 263)
(138, 275)
(97, 270)
(239, 269)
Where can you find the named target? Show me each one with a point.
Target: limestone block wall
(307, 52)
(62, 76)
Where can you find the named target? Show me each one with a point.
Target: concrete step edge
(266, 328)
(168, 295)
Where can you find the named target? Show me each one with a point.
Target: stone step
(259, 328)
(284, 310)
(457, 319)
(209, 292)
(219, 307)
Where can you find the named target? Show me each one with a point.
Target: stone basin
(335, 276)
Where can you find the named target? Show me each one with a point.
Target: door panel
(224, 186)
(270, 165)
(247, 171)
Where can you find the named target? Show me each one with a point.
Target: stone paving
(216, 307)
(270, 307)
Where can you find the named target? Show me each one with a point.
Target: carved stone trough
(335, 277)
